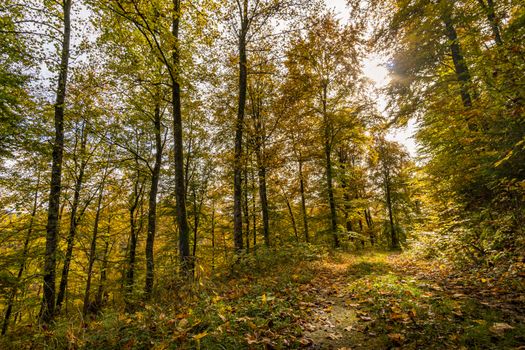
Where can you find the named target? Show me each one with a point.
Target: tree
(15, 58)
(250, 20)
(391, 162)
(452, 64)
(328, 77)
(48, 301)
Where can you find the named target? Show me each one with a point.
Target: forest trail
(385, 301)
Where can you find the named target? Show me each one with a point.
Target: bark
(92, 254)
(460, 65)
(152, 206)
(134, 232)
(213, 238)
(25, 251)
(75, 218)
(246, 209)
(369, 224)
(182, 219)
(239, 126)
(292, 216)
(393, 233)
(99, 299)
(48, 301)
(346, 190)
(361, 231)
(254, 213)
(329, 176)
(93, 246)
(261, 166)
(303, 202)
(196, 221)
(490, 12)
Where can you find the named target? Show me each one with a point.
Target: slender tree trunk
(368, 217)
(263, 193)
(48, 301)
(213, 237)
(260, 139)
(25, 251)
(182, 219)
(133, 238)
(361, 230)
(460, 65)
(246, 208)
(303, 202)
(343, 159)
(74, 221)
(93, 246)
(196, 217)
(328, 158)
(292, 216)
(239, 126)
(254, 213)
(99, 299)
(393, 233)
(152, 205)
(490, 12)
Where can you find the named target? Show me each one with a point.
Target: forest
(228, 174)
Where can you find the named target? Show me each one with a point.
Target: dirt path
(379, 301)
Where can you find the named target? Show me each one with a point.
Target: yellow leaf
(200, 335)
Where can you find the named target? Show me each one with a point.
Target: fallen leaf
(200, 335)
(334, 336)
(397, 338)
(183, 323)
(500, 328)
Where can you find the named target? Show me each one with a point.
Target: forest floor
(384, 301)
(313, 299)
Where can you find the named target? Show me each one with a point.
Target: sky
(374, 69)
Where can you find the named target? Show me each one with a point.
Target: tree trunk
(93, 246)
(262, 186)
(303, 202)
(460, 65)
(369, 224)
(361, 231)
(48, 301)
(328, 158)
(182, 220)
(292, 217)
(74, 220)
(239, 126)
(246, 208)
(152, 205)
(393, 233)
(25, 251)
(134, 232)
(254, 213)
(343, 159)
(196, 218)
(99, 299)
(490, 12)
(213, 238)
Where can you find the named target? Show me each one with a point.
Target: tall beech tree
(49, 272)
(146, 20)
